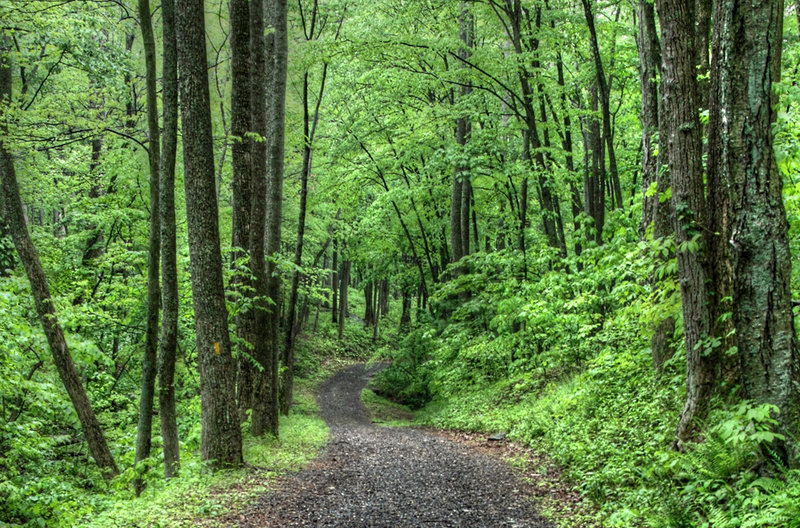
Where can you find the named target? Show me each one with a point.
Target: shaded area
(385, 477)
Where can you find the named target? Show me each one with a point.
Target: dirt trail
(372, 476)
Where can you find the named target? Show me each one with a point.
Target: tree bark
(649, 70)
(275, 203)
(41, 292)
(241, 189)
(335, 282)
(269, 387)
(149, 363)
(221, 440)
(169, 259)
(684, 147)
(260, 69)
(344, 283)
(749, 38)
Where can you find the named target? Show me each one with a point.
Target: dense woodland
(568, 220)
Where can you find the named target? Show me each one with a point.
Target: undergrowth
(49, 480)
(561, 361)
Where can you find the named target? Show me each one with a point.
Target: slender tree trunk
(169, 260)
(274, 205)
(149, 363)
(405, 316)
(749, 37)
(260, 69)
(221, 440)
(654, 212)
(344, 283)
(649, 70)
(241, 183)
(369, 307)
(335, 282)
(594, 186)
(41, 292)
(603, 89)
(309, 131)
(684, 147)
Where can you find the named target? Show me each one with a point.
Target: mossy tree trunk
(221, 440)
(149, 362)
(748, 41)
(169, 257)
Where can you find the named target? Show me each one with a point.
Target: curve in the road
(372, 476)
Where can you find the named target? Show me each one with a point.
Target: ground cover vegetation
(571, 221)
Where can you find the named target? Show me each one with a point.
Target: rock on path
(372, 476)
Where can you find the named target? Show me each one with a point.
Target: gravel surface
(372, 476)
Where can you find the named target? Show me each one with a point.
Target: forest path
(373, 476)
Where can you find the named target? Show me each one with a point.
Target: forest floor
(374, 476)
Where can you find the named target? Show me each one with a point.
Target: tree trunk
(594, 184)
(169, 260)
(603, 89)
(654, 212)
(405, 315)
(369, 307)
(335, 282)
(241, 188)
(149, 363)
(274, 201)
(260, 69)
(649, 70)
(309, 131)
(41, 292)
(221, 440)
(749, 37)
(344, 283)
(684, 144)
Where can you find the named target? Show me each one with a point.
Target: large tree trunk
(221, 440)
(149, 367)
(684, 147)
(169, 259)
(41, 292)
(748, 47)
(240, 187)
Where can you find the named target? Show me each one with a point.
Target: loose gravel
(373, 476)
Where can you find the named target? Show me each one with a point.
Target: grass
(386, 412)
(202, 498)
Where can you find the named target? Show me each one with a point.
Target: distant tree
(41, 292)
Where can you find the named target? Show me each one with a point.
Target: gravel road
(373, 476)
